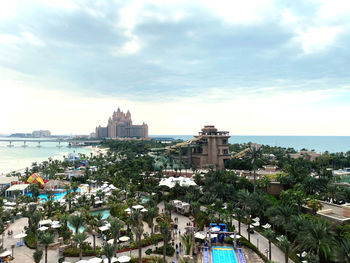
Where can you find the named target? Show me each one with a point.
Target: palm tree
(244, 201)
(343, 252)
(76, 222)
(35, 218)
(37, 255)
(286, 245)
(108, 251)
(150, 215)
(79, 238)
(116, 226)
(46, 239)
(317, 236)
(270, 235)
(137, 228)
(239, 214)
(164, 228)
(283, 216)
(187, 240)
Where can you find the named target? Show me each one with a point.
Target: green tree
(187, 241)
(79, 238)
(108, 251)
(116, 226)
(37, 256)
(270, 235)
(286, 245)
(317, 236)
(164, 227)
(76, 221)
(137, 228)
(46, 239)
(342, 253)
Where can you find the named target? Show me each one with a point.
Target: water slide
(206, 255)
(240, 255)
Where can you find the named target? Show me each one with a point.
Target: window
(224, 141)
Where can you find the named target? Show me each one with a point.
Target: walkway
(262, 243)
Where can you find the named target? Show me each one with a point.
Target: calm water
(18, 157)
(318, 143)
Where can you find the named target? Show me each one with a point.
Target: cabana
(22, 188)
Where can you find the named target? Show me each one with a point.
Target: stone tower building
(212, 150)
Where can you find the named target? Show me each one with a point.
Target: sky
(253, 67)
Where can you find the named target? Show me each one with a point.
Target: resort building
(120, 126)
(5, 181)
(307, 155)
(17, 188)
(41, 133)
(213, 148)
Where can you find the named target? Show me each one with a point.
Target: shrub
(30, 240)
(148, 251)
(87, 251)
(170, 251)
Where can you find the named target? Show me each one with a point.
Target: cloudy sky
(253, 67)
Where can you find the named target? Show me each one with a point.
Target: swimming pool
(223, 255)
(104, 213)
(57, 196)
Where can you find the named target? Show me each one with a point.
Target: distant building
(41, 133)
(120, 126)
(213, 148)
(307, 155)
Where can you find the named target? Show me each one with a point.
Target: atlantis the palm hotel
(120, 126)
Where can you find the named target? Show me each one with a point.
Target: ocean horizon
(320, 144)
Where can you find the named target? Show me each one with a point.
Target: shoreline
(95, 150)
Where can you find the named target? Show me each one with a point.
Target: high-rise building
(41, 133)
(120, 126)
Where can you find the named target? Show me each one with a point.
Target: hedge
(170, 251)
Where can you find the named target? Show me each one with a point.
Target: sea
(320, 144)
(19, 157)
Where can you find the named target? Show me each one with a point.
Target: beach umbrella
(6, 253)
(114, 259)
(137, 207)
(111, 241)
(56, 226)
(304, 254)
(43, 228)
(237, 236)
(95, 260)
(21, 235)
(199, 235)
(127, 210)
(215, 229)
(266, 226)
(123, 259)
(124, 238)
(103, 228)
(256, 219)
(256, 223)
(144, 210)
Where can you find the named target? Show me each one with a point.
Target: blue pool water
(223, 255)
(80, 230)
(104, 213)
(57, 196)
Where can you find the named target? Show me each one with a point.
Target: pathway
(262, 243)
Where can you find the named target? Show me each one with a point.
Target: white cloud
(315, 39)
(32, 39)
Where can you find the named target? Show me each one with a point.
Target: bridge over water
(70, 142)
